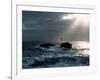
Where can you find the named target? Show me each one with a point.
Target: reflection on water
(80, 44)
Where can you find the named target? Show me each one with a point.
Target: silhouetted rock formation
(47, 45)
(66, 45)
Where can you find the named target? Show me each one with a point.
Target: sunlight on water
(80, 44)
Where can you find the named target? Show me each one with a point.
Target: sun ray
(79, 20)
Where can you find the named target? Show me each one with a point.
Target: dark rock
(66, 45)
(47, 45)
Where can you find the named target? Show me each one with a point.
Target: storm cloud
(51, 26)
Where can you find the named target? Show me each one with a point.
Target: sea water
(34, 56)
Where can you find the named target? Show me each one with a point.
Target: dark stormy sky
(54, 26)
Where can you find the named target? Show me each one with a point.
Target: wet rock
(47, 45)
(66, 45)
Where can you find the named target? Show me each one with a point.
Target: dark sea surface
(34, 56)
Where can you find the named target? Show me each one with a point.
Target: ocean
(34, 56)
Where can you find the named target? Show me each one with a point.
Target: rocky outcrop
(66, 45)
(47, 45)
